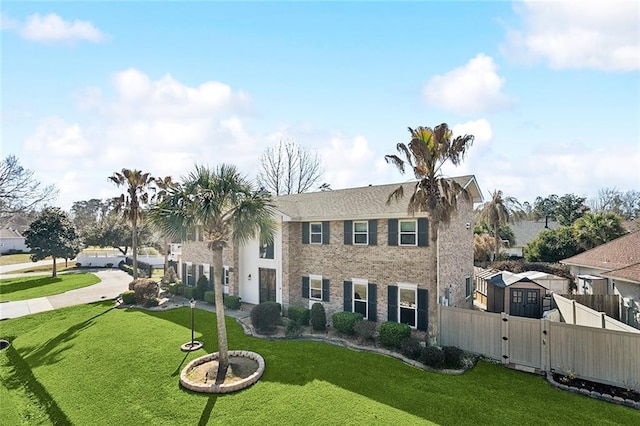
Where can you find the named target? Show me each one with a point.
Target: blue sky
(551, 90)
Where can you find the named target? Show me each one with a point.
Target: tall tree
(552, 245)
(88, 213)
(53, 234)
(164, 186)
(227, 208)
(612, 200)
(425, 154)
(288, 168)
(570, 208)
(591, 230)
(499, 212)
(20, 191)
(131, 203)
(545, 208)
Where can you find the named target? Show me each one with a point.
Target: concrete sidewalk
(113, 283)
(6, 269)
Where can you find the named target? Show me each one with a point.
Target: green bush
(294, 329)
(318, 317)
(201, 287)
(150, 303)
(176, 288)
(129, 297)
(188, 292)
(210, 297)
(345, 321)
(232, 302)
(393, 333)
(453, 357)
(301, 315)
(365, 330)
(432, 356)
(411, 348)
(266, 316)
(78, 265)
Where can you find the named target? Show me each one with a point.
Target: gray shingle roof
(528, 230)
(369, 202)
(616, 254)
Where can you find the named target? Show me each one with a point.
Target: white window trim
(414, 287)
(225, 282)
(366, 232)
(311, 233)
(415, 233)
(315, 278)
(359, 281)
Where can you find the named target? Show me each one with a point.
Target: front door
(525, 302)
(267, 285)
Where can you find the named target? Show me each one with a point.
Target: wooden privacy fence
(600, 355)
(607, 303)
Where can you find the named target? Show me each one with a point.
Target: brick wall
(197, 253)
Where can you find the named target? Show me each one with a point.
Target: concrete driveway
(113, 283)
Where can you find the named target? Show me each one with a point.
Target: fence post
(505, 337)
(545, 362)
(603, 317)
(573, 311)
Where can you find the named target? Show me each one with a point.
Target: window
(468, 286)
(225, 279)
(532, 297)
(360, 296)
(266, 251)
(315, 232)
(315, 287)
(516, 296)
(361, 233)
(408, 233)
(408, 305)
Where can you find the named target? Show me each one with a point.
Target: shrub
(265, 316)
(393, 333)
(201, 287)
(294, 328)
(345, 321)
(411, 348)
(145, 289)
(169, 276)
(129, 297)
(150, 303)
(453, 357)
(366, 330)
(318, 317)
(300, 315)
(188, 292)
(432, 356)
(210, 297)
(232, 302)
(176, 288)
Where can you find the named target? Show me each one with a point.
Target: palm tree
(594, 229)
(498, 212)
(425, 154)
(227, 208)
(163, 185)
(132, 202)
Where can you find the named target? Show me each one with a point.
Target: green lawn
(22, 288)
(96, 365)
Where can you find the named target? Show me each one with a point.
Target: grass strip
(22, 288)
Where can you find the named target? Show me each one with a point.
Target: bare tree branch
(288, 168)
(20, 191)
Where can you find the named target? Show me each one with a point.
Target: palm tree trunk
(166, 254)
(497, 237)
(434, 287)
(55, 271)
(223, 349)
(134, 246)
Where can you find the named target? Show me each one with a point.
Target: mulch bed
(597, 387)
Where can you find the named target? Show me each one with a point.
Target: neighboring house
(526, 231)
(520, 294)
(351, 251)
(612, 268)
(11, 234)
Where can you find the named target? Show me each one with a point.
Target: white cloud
(473, 88)
(600, 35)
(52, 28)
(480, 129)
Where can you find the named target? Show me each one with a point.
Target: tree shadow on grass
(12, 285)
(50, 352)
(208, 409)
(23, 377)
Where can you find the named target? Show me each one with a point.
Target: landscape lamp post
(192, 304)
(193, 345)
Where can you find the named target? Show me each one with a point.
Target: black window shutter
(348, 233)
(393, 232)
(423, 232)
(305, 232)
(392, 303)
(423, 309)
(211, 277)
(373, 232)
(184, 274)
(305, 287)
(348, 294)
(325, 290)
(372, 298)
(222, 276)
(325, 232)
(192, 275)
(200, 270)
